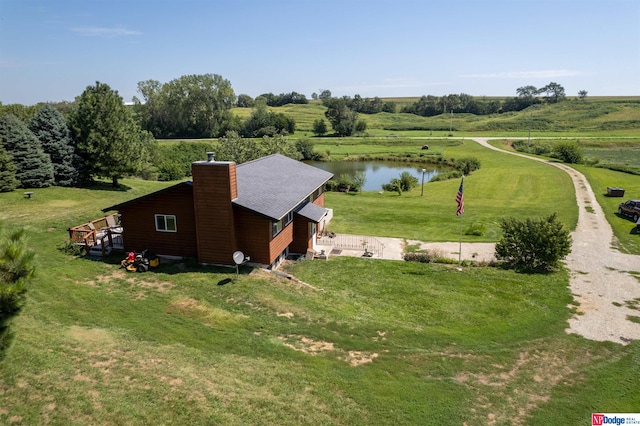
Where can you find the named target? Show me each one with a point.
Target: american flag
(460, 199)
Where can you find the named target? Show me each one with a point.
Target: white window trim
(164, 217)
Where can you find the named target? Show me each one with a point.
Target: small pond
(376, 172)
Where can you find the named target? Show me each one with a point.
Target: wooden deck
(99, 236)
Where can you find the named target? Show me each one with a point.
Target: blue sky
(51, 50)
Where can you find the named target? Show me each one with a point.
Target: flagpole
(460, 212)
(460, 247)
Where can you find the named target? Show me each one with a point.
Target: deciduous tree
(555, 93)
(319, 127)
(233, 147)
(342, 118)
(196, 106)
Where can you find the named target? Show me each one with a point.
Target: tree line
(429, 106)
(101, 137)
(97, 135)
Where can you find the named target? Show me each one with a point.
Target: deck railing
(96, 232)
(352, 242)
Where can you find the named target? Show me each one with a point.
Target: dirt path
(600, 275)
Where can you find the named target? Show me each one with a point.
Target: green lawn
(504, 186)
(366, 341)
(618, 153)
(363, 341)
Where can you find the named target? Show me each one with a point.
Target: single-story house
(267, 209)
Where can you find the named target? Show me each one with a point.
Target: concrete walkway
(394, 248)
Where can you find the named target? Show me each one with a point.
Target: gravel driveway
(601, 277)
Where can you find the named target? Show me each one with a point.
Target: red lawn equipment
(140, 262)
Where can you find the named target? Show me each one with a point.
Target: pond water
(376, 172)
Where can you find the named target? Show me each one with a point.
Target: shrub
(477, 229)
(306, 149)
(393, 186)
(454, 174)
(408, 181)
(569, 152)
(422, 256)
(467, 165)
(533, 244)
(535, 147)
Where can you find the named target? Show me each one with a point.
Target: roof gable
(151, 195)
(274, 185)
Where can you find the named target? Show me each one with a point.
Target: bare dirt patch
(140, 285)
(91, 336)
(306, 345)
(210, 316)
(316, 347)
(356, 358)
(507, 394)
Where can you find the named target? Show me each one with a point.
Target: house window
(276, 227)
(166, 223)
(289, 218)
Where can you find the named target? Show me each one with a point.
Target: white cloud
(105, 32)
(527, 74)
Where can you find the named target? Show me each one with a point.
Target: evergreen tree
(8, 181)
(51, 129)
(16, 268)
(34, 168)
(109, 141)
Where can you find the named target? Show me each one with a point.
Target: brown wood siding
(280, 242)
(254, 235)
(301, 240)
(320, 200)
(138, 221)
(214, 186)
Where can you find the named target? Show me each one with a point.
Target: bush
(393, 186)
(306, 148)
(467, 165)
(446, 176)
(533, 244)
(423, 256)
(536, 147)
(408, 181)
(477, 229)
(569, 152)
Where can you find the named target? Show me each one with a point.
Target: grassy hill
(617, 116)
(362, 341)
(356, 341)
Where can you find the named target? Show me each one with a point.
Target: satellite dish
(238, 257)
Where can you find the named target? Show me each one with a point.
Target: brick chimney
(214, 187)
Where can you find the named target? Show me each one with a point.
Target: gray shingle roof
(274, 185)
(312, 212)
